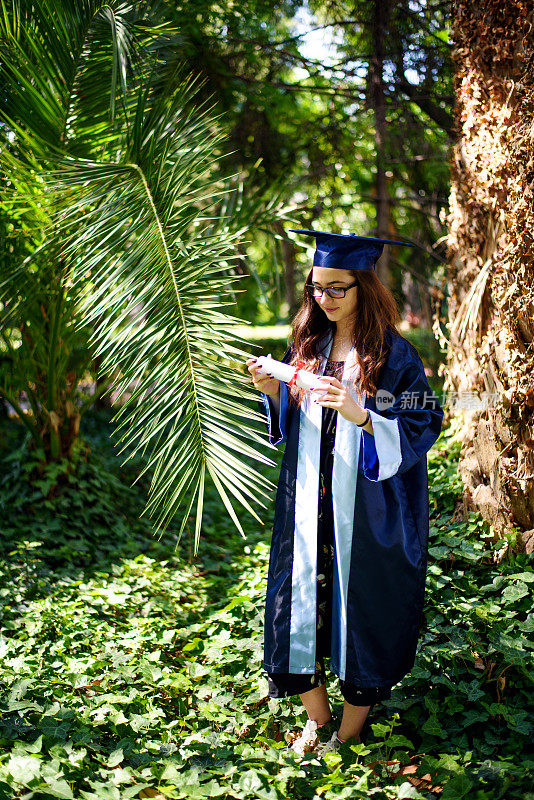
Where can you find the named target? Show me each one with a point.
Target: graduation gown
(381, 524)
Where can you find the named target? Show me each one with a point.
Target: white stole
(344, 476)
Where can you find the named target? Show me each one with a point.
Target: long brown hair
(377, 313)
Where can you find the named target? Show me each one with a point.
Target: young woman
(349, 545)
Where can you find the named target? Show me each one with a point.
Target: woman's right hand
(263, 383)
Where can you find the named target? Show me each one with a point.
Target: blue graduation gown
(381, 523)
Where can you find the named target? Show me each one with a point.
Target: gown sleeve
(406, 428)
(277, 423)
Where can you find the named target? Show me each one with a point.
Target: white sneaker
(332, 746)
(308, 739)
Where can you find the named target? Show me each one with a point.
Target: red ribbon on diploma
(298, 365)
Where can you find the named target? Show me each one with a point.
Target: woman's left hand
(337, 396)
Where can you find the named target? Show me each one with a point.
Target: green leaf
(24, 769)
(456, 788)
(407, 789)
(515, 592)
(522, 576)
(59, 788)
(115, 758)
(433, 727)
(257, 785)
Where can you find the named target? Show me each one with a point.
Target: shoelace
(332, 746)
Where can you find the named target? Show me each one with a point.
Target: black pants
(286, 685)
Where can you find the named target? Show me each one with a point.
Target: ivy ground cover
(130, 670)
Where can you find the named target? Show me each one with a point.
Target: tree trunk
(378, 104)
(290, 262)
(492, 259)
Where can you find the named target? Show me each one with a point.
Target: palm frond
(126, 165)
(151, 267)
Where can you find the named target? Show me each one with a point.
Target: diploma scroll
(290, 373)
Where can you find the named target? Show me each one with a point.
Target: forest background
(130, 664)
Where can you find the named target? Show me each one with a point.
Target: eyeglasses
(332, 291)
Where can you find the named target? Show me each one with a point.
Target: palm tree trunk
(491, 256)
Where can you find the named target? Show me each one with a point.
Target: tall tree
(491, 255)
(397, 58)
(308, 116)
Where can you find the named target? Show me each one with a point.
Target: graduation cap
(341, 251)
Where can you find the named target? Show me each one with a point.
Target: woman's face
(336, 308)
